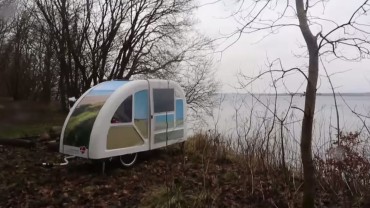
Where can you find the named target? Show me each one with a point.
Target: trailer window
(124, 112)
(141, 112)
(164, 100)
(179, 112)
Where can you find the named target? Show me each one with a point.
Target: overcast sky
(7, 10)
(250, 56)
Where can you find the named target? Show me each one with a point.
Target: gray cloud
(249, 56)
(7, 9)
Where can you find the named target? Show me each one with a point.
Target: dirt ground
(162, 178)
(26, 184)
(169, 177)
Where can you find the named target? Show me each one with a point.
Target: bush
(345, 171)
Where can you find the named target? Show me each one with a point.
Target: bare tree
(26, 57)
(200, 85)
(7, 10)
(17, 57)
(334, 39)
(153, 39)
(195, 72)
(101, 39)
(66, 46)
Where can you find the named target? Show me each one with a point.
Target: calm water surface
(239, 112)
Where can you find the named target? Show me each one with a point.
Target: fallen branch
(17, 142)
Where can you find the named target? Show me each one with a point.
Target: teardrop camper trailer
(118, 118)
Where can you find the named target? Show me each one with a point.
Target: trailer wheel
(128, 160)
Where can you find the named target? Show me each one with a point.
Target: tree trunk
(47, 77)
(63, 85)
(309, 108)
(283, 164)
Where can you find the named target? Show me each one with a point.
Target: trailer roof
(107, 87)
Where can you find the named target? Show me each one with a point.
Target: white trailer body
(117, 118)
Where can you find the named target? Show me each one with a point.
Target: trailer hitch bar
(50, 165)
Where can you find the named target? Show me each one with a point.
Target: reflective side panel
(123, 136)
(163, 122)
(172, 135)
(78, 129)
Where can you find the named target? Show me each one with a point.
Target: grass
(27, 118)
(24, 131)
(215, 176)
(161, 196)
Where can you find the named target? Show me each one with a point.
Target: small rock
(55, 130)
(44, 136)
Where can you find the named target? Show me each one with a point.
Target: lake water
(240, 114)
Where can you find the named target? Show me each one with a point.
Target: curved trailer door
(164, 126)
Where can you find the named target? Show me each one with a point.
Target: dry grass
(216, 176)
(27, 118)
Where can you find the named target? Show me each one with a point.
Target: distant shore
(302, 94)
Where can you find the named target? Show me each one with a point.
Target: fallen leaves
(81, 184)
